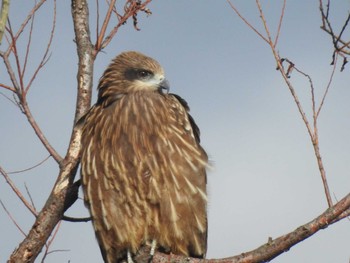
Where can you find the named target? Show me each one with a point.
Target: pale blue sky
(265, 180)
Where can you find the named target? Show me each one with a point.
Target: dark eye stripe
(133, 74)
(144, 74)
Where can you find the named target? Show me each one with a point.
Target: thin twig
(343, 28)
(7, 87)
(12, 218)
(16, 55)
(129, 12)
(21, 91)
(104, 26)
(25, 22)
(11, 73)
(45, 57)
(312, 132)
(49, 242)
(247, 22)
(21, 74)
(280, 23)
(315, 140)
(327, 88)
(327, 27)
(18, 192)
(97, 18)
(30, 196)
(30, 168)
(13, 102)
(40, 134)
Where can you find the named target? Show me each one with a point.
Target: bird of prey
(143, 169)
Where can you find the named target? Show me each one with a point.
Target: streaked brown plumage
(143, 170)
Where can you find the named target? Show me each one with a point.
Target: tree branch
(25, 22)
(247, 22)
(131, 8)
(53, 210)
(273, 247)
(102, 33)
(286, 74)
(80, 13)
(18, 192)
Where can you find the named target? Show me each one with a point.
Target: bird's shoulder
(184, 104)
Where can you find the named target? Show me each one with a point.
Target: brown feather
(143, 170)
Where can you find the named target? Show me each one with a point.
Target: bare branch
(30, 168)
(340, 46)
(11, 73)
(7, 87)
(25, 22)
(16, 55)
(102, 33)
(21, 74)
(17, 192)
(274, 247)
(131, 8)
(39, 133)
(49, 242)
(97, 18)
(280, 23)
(327, 88)
(313, 133)
(247, 22)
(30, 197)
(45, 57)
(12, 219)
(14, 102)
(19, 88)
(52, 211)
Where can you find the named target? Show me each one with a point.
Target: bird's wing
(196, 131)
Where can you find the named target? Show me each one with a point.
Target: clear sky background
(265, 181)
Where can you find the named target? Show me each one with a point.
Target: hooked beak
(164, 85)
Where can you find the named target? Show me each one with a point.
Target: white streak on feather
(93, 165)
(173, 176)
(176, 129)
(203, 195)
(105, 182)
(197, 245)
(187, 144)
(201, 227)
(190, 185)
(173, 214)
(89, 189)
(88, 158)
(99, 193)
(188, 159)
(173, 168)
(105, 216)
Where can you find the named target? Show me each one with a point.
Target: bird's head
(129, 72)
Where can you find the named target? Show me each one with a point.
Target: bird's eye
(143, 74)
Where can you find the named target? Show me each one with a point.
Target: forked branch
(17, 73)
(131, 9)
(286, 73)
(341, 46)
